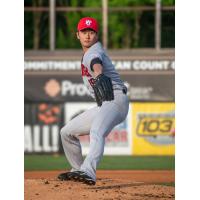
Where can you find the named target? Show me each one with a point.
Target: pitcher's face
(87, 37)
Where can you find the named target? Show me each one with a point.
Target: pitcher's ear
(77, 35)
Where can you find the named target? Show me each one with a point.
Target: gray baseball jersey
(96, 51)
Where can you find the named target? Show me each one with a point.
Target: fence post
(105, 23)
(52, 25)
(158, 25)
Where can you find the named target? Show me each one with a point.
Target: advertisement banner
(125, 64)
(42, 126)
(118, 142)
(149, 87)
(55, 88)
(59, 88)
(153, 128)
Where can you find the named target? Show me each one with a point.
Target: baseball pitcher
(109, 92)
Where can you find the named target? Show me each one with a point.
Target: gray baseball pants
(98, 122)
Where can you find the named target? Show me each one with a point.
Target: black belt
(124, 91)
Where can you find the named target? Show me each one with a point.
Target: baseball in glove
(103, 89)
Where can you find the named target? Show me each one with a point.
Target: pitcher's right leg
(79, 125)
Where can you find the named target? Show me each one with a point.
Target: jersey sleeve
(94, 58)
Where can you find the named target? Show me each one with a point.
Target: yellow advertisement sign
(153, 128)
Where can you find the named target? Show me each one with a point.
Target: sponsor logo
(48, 114)
(158, 128)
(41, 133)
(52, 88)
(138, 92)
(73, 89)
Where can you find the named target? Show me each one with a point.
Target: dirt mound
(111, 185)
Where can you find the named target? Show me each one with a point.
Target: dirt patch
(110, 185)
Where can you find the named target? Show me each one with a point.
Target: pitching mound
(111, 185)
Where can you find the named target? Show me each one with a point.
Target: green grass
(172, 184)
(49, 162)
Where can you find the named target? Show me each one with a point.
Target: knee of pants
(64, 132)
(96, 135)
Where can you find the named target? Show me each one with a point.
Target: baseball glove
(103, 89)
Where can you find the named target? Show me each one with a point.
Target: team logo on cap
(88, 22)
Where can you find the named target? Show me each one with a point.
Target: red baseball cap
(88, 22)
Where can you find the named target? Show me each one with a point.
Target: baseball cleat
(65, 176)
(82, 177)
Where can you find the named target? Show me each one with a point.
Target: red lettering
(124, 136)
(116, 136)
(85, 71)
(91, 81)
(109, 138)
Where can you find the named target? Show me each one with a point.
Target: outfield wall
(54, 94)
(148, 130)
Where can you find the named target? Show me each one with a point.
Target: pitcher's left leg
(109, 116)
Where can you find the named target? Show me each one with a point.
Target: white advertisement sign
(118, 142)
(40, 139)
